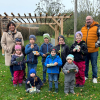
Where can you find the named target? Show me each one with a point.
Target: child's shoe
(72, 92)
(50, 89)
(15, 85)
(37, 90)
(77, 85)
(56, 90)
(27, 90)
(81, 85)
(20, 84)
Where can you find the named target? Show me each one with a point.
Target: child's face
(69, 61)
(18, 51)
(53, 53)
(18, 43)
(32, 41)
(78, 37)
(46, 40)
(32, 75)
(61, 40)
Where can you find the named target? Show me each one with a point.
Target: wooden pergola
(55, 22)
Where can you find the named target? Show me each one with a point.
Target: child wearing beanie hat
(44, 52)
(34, 80)
(32, 52)
(18, 65)
(79, 50)
(53, 62)
(63, 50)
(69, 69)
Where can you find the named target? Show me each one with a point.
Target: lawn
(7, 92)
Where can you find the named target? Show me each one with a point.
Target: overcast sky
(25, 6)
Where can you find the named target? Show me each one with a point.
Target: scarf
(53, 57)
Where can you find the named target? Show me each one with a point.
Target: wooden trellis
(55, 22)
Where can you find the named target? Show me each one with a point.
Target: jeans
(51, 78)
(44, 72)
(30, 66)
(93, 57)
(11, 70)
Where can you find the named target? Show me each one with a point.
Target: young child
(54, 62)
(18, 67)
(18, 41)
(79, 50)
(44, 52)
(32, 51)
(63, 50)
(69, 70)
(34, 80)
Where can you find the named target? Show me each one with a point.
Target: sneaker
(12, 79)
(24, 82)
(81, 85)
(77, 85)
(86, 78)
(72, 92)
(94, 80)
(56, 90)
(37, 90)
(15, 85)
(50, 89)
(20, 84)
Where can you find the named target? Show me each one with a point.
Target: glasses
(88, 19)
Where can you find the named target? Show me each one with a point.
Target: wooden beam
(40, 23)
(56, 22)
(18, 25)
(24, 14)
(5, 13)
(36, 18)
(52, 27)
(13, 14)
(40, 17)
(18, 20)
(23, 20)
(14, 21)
(46, 16)
(18, 14)
(28, 20)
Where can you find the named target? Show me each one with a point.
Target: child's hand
(75, 71)
(68, 71)
(32, 46)
(28, 82)
(78, 50)
(44, 55)
(55, 63)
(37, 54)
(74, 50)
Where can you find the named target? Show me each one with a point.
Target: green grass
(8, 92)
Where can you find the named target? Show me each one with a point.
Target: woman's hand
(28, 82)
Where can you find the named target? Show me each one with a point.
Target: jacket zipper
(87, 35)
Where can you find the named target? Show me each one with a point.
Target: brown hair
(9, 25)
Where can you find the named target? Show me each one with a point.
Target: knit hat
(79, 32)
(32, 71)
(70, 56)
(18, 40)
(53, 49)
(61, 36)
(17, 47)
(32, 36)
(46, 35)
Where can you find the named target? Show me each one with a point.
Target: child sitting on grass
(34, 80)
(53, 62)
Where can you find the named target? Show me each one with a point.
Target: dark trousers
(28, 86)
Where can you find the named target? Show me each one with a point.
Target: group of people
(73, 61)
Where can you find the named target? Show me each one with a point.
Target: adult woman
(8, 42)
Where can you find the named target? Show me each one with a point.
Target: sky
(25, 6)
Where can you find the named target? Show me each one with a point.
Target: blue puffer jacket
(31, 58)
(53, 69)
(18, 66)
(45, 48)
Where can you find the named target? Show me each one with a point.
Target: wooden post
(56, 34)
(61, 26)
(75, 19)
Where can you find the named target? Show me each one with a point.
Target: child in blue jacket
(53, 62)
(32, 51)
(44, 52)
